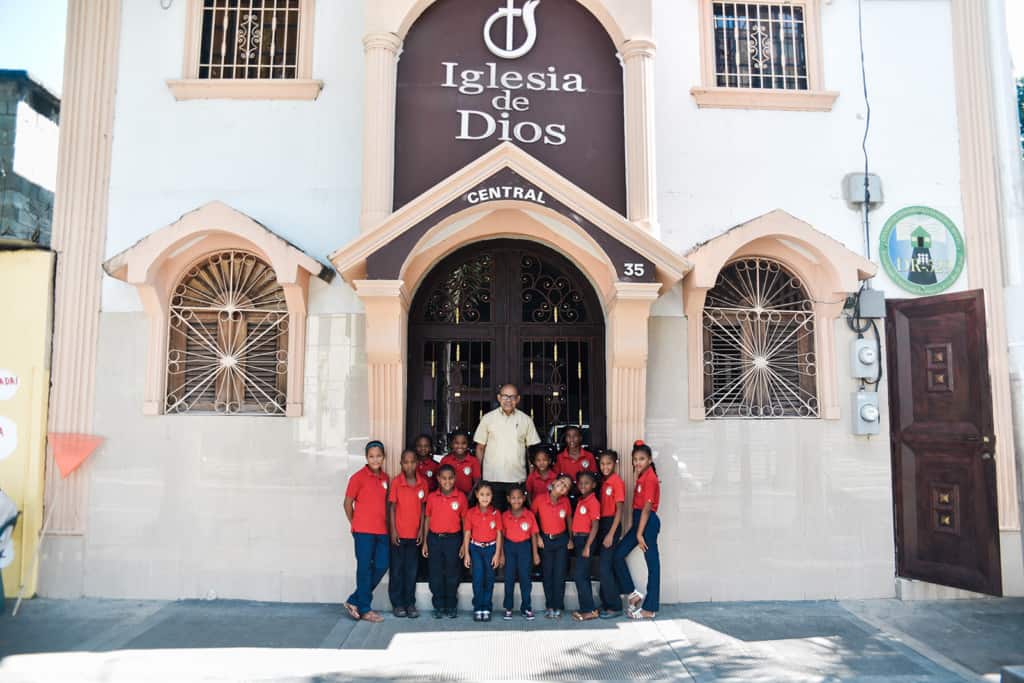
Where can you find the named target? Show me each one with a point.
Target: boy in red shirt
(442, 546)
(427, 466)
(575, 459)
(406, 500)
(465, 465)
(365, 508)
(584, 531)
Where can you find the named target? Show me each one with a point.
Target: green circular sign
(921, 250)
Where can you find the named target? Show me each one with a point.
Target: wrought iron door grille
(249, 39)
(228, 345)
(759, 358)
(457, 387)
(555, 385)
(760, 45)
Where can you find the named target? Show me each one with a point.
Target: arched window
(759, 357)
(228, 346)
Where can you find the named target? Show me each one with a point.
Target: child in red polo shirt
(442, 546)
(613, 496)
(427, 466)
(405, 513)
(366, 511)
(554, 515)
(538, 483)
(584, 531)
(481, 549)
(463, 463)
(574, 458)
(644, 533)
(519, 548)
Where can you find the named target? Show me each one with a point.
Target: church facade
(291, 227)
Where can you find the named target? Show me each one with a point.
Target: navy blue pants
(371, 566)
(555, 563)
(402, 578)
(518, 563)
(653, 600)
(480, 558)
(444, 568)
(581, 573)
(610, 594)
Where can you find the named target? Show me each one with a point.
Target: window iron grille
(246, 39)
(759, 358)
(228, 346)
(760, 45)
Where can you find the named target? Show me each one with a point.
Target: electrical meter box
(853, 189)
(867, 417)
(864, 358)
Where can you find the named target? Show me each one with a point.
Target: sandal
(584, 616)
(373, 617)
(352, 610)
(634, 599)
(642, 614)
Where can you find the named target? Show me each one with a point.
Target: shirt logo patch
(583, 509)
(639, 488)
(561, 514)
(493, 525)
(430, 473)
(420, 494)
(525, 526)
(608, 491)
(466, 470)
(455, 505)
(585, 464)
(384, 484)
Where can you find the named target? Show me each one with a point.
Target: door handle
(986, 456)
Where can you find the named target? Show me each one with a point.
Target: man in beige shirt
(502, 438)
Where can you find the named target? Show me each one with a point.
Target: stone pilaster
(381, 50)
(641, 178)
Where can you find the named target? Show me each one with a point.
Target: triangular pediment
(507, 177)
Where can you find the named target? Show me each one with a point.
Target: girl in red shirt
(520, 546)
(584, 531)
(481, 549)
(366, 510)
(575, 459)
(426, 466)
(406, 499)
(643, 533)
(613, 496)
(539, 482)
(555, 517)
(465, 464)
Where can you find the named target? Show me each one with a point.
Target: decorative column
(387, 312)
(641, 177)
(79, 233)
(628, 314)
(381, 51)
(983, 221)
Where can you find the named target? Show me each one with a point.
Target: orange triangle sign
(71, 450)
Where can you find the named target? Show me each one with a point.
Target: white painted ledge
(245, 89)
(754, 98)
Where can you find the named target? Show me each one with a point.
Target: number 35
(634, 269)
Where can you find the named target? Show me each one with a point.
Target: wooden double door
(506, 311)
(943, 444)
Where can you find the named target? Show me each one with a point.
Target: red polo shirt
(588, 510)
(518, 529)
(446, 512)
(408, 500)
(566, 465)
(428, 470)
(552, 516)
(648, 488)
(370, 492)
(613, 491)
(537, 485)
(483, 526)
(467, 471)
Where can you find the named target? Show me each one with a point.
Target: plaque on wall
(921, 250)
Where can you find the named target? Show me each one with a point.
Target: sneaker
(549, 614)
(437, 614)
(610, 614)
(478, 616)
(412, 613)
(487, 615)
(557, 614)
(453, 613)
(400, 612)
(529, 615)
(508, 615)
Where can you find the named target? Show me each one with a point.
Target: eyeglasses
(509, 397)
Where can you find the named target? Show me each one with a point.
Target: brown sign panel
(544, 75)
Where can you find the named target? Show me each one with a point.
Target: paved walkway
(868, 641)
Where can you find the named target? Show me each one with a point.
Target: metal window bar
(246, 39)
(760, 45)
(759, 358)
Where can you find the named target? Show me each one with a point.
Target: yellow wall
(26, 297)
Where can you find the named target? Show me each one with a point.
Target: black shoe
(437, 614)
(478, 616)
(453, 614)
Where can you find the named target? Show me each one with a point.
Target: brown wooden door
(943, 446)
(506, 311)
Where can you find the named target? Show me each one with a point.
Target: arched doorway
(506, 311)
